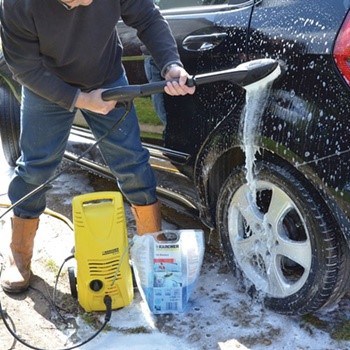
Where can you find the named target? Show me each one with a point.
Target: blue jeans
(45, 129)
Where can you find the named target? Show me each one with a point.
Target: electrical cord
(50, 302)
(55, 288)
(4, 315)
(12, 324)
(107, 301)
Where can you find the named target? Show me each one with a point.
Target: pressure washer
(101, 252)
(104, 279)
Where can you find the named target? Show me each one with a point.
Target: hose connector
(108, 302)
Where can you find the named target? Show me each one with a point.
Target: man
(65, 53)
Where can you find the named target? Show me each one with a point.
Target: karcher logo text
(167, 246)
(111, 251)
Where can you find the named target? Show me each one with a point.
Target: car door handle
(203, 42)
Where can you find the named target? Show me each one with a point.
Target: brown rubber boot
(15, 278)
(148, 218)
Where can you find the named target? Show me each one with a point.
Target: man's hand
(180, 88)
(93, 102)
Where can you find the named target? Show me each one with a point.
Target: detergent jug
(167, 265)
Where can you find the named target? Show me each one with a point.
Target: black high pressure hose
(107, 301)
(54, 177)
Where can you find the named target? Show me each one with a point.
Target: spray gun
(246, 75)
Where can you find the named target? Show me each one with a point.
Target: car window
(169, 4)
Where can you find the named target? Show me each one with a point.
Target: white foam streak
(256, 98)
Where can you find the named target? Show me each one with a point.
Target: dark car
(267, 170)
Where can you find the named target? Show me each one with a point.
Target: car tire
(284, 243)
(9, 125)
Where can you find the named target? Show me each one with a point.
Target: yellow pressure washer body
(101, 252)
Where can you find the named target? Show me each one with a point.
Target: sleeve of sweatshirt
(21, 51)
(152, 29)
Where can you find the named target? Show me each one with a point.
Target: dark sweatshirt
(56, 52)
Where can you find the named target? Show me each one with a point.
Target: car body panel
(293, 126)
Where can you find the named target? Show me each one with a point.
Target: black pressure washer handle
(129, 92)
(243, 75)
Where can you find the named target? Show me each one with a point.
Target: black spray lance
(244, 75)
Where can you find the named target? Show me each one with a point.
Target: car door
(211, 35)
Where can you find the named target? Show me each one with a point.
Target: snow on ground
(218, 315)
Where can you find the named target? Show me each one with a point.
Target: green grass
(315, 321)
(342, 332)
(51, 266)
(338, 330)
(146, 112)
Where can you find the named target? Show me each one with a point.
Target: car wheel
(282, 240)
(9, 125)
